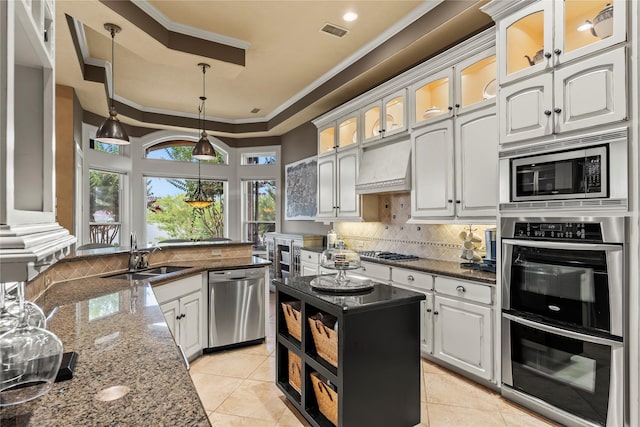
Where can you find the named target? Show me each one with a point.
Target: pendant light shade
(198, 198)
(204, 149)
(111, 131)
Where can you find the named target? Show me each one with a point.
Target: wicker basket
(327, 399)
(292, 318)
(295, 372)
(326, 341)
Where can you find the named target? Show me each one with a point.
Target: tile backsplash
(393, 234)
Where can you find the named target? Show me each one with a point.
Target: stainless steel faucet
(134, 256)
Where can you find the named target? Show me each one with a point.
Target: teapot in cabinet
(537, 58)
(602, 26)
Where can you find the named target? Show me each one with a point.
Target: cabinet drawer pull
(410, 278)
(461, 289)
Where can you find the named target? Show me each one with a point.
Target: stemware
(30, 357)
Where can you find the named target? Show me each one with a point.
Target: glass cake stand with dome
(341, 260)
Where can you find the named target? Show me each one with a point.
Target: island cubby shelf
(377, 378)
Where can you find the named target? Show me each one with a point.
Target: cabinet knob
(428, 310)
(381, 130)
(547, 112)
(450, 201)
(458, 201)
(410, 278)
(364, 268)
(557, 52)
(557, 110)
(450, 108)
(178, 317)
(435, 313)
(457, 105)
(547, 55)
(461, 289)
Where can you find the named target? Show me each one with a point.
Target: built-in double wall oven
(563, 317)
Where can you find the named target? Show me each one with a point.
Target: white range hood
(385, 169)
(27, 250)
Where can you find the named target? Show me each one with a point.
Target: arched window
(180, 150)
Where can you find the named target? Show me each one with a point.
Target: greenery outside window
(105, 197)
(169, 217)
(105, 148)
(259, 202)
(249, 159)
(180, 150)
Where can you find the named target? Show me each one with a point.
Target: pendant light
(198, 199)
(204, 149)
(112, 131)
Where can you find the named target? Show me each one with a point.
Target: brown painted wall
(65, 129)
(299, 144)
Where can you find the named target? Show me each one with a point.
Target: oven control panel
(568, 231)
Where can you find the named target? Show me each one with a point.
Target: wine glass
(29, 358)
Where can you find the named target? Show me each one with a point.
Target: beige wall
(299, 144)
(65, 130)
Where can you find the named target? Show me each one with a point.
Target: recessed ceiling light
(350, 16)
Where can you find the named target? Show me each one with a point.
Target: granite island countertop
(432, 266)
(122, 339)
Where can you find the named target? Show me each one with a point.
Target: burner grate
(390, 256)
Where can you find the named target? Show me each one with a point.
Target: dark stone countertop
(120, 335)
(432, 266)
(381, 295)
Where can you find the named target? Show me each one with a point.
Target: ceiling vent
(255, 110)
(334, 30)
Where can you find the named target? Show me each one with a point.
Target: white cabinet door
(432, 171)
(426, 324)
(347, 171)
(171, 312)
(308, 269)
(526, 109)
(326, 187)
(463, 336)
(191, 324)
(477, 163)
(591, 92)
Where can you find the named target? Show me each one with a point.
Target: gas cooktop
(390, 256)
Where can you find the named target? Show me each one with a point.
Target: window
(170, 217)
(105, 148)
(105, 196)
(258, 159)
(259, 203)
(180, 150)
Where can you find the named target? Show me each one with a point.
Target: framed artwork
(300, 188)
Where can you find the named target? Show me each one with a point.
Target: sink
(146, 274)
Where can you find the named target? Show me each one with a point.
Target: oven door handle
(563, 245)
(562, 332)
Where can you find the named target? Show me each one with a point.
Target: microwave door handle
(536, 181)
(562, 332)
(563, 245)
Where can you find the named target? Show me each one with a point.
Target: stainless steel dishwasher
(236, 307)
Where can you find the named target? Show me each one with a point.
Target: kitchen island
(130, 370)
(375, 375)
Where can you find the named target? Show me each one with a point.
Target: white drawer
(375, 271)
(309, 257)
(465, 290)
(412, 278)
(177, 289)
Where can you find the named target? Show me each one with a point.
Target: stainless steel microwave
(566, 174)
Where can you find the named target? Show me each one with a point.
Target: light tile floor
(237, 389)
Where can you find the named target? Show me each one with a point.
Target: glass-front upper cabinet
(525, 43)
(582, 27)
(327, 139)
(393, 109)
(548, 33)
(476, 82)
(432, 97)
(348, 131)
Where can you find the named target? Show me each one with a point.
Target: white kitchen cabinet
(453, 182)
(184, 308)
(338, 134)
(309, 263)
(375, 271)
(583, 94)
(337, 198)
(545, 34)
(385, 117)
